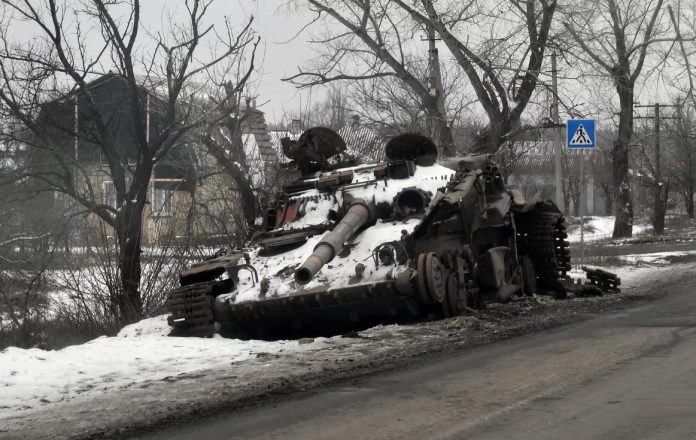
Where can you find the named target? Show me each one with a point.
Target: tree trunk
(689, 202)
(659, 208)
(623, 224)
(576, 206)
(191, 214)
(129, 235)
(566, 196)
(608, 198)
(445, 138)
(440, 132)
(499, 130)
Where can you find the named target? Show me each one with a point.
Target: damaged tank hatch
(351, 245)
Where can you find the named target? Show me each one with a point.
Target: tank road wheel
(422, 283)
(450, 306)
(436, 277)
(432, 278)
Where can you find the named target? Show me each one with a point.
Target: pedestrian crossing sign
(580, 133)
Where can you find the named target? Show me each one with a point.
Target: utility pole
(557, 121)
(435, 73)
(660, 189)
(437, 120)
(659, 205)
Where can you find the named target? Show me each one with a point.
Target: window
(162, 201)
(109, 194)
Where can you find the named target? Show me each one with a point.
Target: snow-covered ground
(140, 353)
(634, 269)
(677, 228)
(598, 228)
(653, 259)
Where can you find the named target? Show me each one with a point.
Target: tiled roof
(535, 157)
(363, 143)
(274, 139)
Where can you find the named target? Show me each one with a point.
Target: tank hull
(318, 313)
(402, 240)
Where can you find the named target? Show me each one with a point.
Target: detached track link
(190, 310)
(544, 239)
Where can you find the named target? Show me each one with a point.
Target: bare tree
(601, 168)
(503, 66)
(572, 183)
(396, 107)
(333, 111)
(225, 144)
(154, 70)
(616, 36)
(373, 42)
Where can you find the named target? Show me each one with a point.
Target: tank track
(607, 281)
(544, 239)
(190, 310)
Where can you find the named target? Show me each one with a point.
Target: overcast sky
(279, 52)
(284, 47)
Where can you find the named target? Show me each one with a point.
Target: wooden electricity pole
(559, 142)
(438, 126)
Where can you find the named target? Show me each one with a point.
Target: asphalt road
(622, 376)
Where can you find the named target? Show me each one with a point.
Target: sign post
(581, 135)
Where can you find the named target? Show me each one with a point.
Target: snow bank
(636, 269)
(141, 353)
(597, 228)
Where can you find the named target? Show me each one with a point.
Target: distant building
(363, 142)
(189, 195)
(529, 165)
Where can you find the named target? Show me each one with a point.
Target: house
(529, 162)
(189, 195)
(364, 142)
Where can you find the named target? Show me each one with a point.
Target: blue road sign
(580, 133)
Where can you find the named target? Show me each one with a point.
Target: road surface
(621, 376)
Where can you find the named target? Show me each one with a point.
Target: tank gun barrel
(359, 213)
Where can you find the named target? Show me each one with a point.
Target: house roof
(363, 142)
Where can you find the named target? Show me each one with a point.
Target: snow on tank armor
(346, 247)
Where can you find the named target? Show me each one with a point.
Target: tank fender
(209, 270)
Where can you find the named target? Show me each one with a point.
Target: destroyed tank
(348, 246)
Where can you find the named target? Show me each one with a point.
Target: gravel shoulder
(148, 406)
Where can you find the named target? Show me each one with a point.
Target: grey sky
(279, 54)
